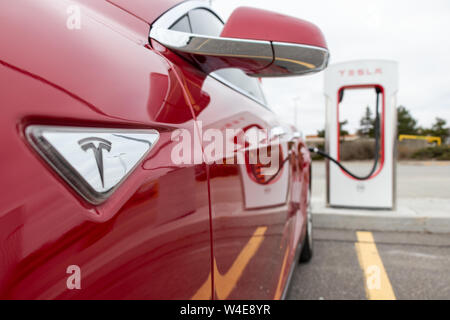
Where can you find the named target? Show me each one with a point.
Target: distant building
(314, 141)
(317, 139)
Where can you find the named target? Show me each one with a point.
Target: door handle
(277, 132)
(297, 135)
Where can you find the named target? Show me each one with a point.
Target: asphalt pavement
(417, 266)
(373, 262)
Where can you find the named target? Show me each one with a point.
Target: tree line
(406, 124)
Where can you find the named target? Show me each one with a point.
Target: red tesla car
(109, 187)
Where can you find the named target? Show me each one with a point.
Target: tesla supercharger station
(378, 191)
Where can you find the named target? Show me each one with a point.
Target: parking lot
(409, 265)
(417, 266)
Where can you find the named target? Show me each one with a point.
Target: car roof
(146, 10)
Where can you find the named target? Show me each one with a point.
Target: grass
(361, 150)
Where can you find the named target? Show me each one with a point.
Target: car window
(182, 25)
(205, 22)
(239, 79)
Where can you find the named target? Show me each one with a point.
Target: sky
(414, 33)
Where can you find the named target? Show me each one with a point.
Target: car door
(151, 238)
(255, 220)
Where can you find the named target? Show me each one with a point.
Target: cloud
(410, 32)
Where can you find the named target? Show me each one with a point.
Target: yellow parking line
(225, 283)
(279, 290)
(377, 284)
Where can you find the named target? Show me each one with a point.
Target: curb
(412, 215)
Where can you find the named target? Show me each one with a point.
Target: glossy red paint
(147, 10)
(257, 24)
(169, 232)
(150, 235)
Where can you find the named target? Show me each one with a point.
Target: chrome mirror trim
(287, 59)
(207, 45)
(93, 161)
(215, 48)
(300, 59)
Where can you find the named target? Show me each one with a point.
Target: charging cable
(377, 144)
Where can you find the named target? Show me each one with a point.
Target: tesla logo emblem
(97, 145)
(360, 72)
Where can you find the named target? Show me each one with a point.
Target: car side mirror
(259, 42)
